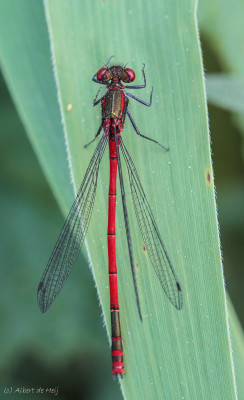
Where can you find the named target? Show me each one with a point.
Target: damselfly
(114, 105)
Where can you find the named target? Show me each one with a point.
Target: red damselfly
(114, 106)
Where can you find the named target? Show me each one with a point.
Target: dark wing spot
(40, 286)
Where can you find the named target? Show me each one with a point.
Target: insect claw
(165, 148)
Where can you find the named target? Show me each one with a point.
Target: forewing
(72, 235)
(151, 236)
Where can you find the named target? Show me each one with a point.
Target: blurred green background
(30, 219)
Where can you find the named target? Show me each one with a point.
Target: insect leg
(145, 103)
(97, 134)
(95, 101)
(139, 86)
(140, 134)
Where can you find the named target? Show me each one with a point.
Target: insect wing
(151, 236)
(72, 235)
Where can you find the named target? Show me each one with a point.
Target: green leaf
(172, 354)
(238, 349)
(226, 91)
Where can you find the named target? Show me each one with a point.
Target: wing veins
(155, 247)
(72, 235)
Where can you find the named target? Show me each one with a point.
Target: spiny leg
(97, 134)
(140, 134)
(94, 79)
(140, 100)
(105, 65)
(139, 86)
(95, 101)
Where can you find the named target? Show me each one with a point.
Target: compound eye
(131, 74)
(100, 74)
